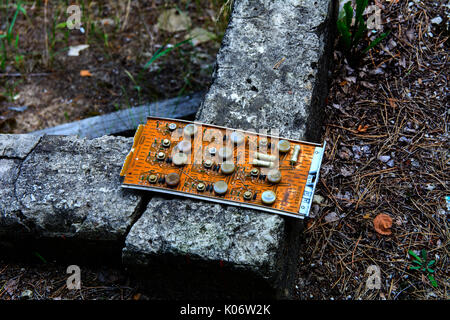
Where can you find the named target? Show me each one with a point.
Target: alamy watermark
(74, 280)
(374, 279)
(74, 20)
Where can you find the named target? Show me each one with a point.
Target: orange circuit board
(230, 166)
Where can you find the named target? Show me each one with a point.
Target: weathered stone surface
(249, 92)
(17, 145)
(205, 232)
(69, 186)
(272, 58)
(9, 206)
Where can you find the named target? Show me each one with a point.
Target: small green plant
(421, 263)
(6, 40)
(352, 28)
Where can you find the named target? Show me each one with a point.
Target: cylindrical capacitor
(220, 187)
(190, 130)
(201, 187)
(268, 197)
(166, 143)
(208, 163)
(264, 156)
(172, 179)
(184, 146)
(248, 195)
(284, 146)
(160, 155)
(295, 153)
(179, 159)
(152, 178)
(262, 163)
(227, 167)
(274, 176)
(237, 138)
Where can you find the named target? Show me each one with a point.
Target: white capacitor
(284, 146)
(184, 146)
(227, 167)
(190, 130)
(225, 153)
(268, 197)
(179, 159)
(237, 138)
(264, 156)
(274, 176)
(220, 187)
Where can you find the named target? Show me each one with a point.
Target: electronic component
(160, 156)
(225, 153)
(268, 197)
(237, 138)
(172, 179)
(179, 159)
(295, 153)
(227, 167)
(166, 143)
(247, 195)
(262, 163)
(190, 130)
(274, 176)
(284, 146)
(184, 146)
(220, 187)
(266, 157)
(281, 182)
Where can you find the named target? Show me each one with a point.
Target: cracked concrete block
(9, 207)
(17, 145)
(58, 186)
(271, 72)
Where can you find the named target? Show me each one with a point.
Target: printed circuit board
(236, 167)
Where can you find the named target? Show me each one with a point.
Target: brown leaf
(85, 73)
(382, 224)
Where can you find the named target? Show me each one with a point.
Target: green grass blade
(411, 253)
(348, 14)
(11, 26)
(361, 5)
(374, 43)
(361, 30)
(345, 34)
(159, 53)
(432, 280)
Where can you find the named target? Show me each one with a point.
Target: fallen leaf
(137, 296)
(382, 224)
(74, 51)
(199, 35)
(173, 20)
(362, 128)
(85, 73)
(366, 216)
